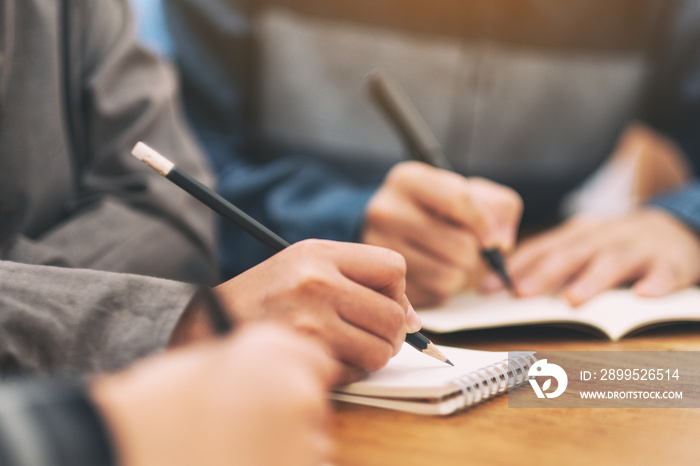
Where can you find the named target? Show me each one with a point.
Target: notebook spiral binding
(495, 379)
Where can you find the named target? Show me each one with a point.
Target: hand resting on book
(648, 248)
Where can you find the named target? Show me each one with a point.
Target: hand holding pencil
(447, 226)
(440, 222)
(351, 296)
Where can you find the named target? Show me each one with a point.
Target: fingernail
(413, 323)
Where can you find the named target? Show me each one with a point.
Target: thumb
(501, 208)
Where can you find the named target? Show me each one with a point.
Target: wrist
(193, 325)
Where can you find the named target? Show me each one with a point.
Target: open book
(419, 384)
(614, 313)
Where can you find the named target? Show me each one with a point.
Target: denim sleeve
(297, 197)
(684, 204)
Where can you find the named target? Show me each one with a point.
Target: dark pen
(398, 108)
(251, 226)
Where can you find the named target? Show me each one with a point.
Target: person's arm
(211, 404)
(256, 398)
(76, 320)
(123, 217)
(656, 248)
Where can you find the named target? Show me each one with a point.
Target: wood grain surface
(494, 434)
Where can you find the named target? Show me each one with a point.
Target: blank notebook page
(412, 374)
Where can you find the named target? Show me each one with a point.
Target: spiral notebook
(417, 383)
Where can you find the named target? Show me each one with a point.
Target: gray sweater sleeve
(122, 216)
(74, 320)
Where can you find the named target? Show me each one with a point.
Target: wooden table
(493, 434)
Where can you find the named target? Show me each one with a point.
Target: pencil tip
(450, 363)
(434, 352)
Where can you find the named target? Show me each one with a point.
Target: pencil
(251, 226)
(398, 108)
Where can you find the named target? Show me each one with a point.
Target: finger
(659, 280)
(429, 273)
(375, 313)
(447, 194)
(607, 270)
(535, 249)
(360, 348)
(504, 204)
(552, 272)
(378, 268)
(349, 374)
(413, 322)
(412, 224)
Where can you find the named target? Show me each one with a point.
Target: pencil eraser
(152, 158)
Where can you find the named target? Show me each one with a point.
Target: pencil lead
(432, 351)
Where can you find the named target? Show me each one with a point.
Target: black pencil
(251, 226)
(398, 108)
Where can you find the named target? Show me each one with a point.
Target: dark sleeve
(51, 423)
(297, 196)
(73, 320)
(674, 105)
(124, 217)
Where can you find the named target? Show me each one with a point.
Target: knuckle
(312, 282)
(304, 248)
(312, 247)
(404, 172)
(380, 212)
(307, 324)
